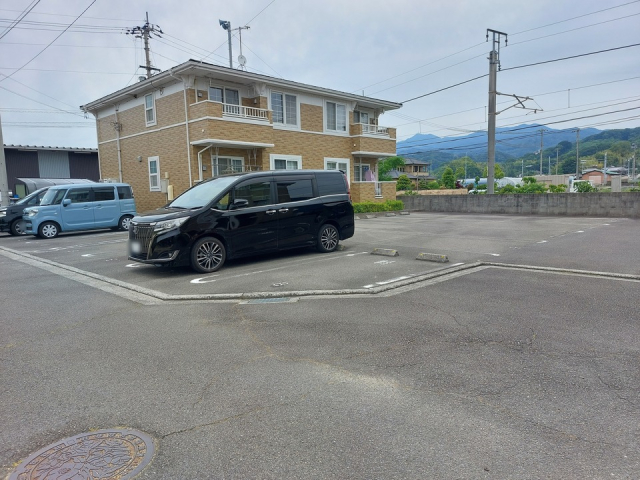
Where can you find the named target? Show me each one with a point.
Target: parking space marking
(79, 245)
(133, 265)
(387, 282)
(385, 262)
(204, 279)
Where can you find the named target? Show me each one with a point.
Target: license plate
(135, 247)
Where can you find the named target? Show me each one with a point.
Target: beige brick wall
(227, 130)
(366, 144)
(311, 118)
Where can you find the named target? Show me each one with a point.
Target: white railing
(368, 129)
(245, 112)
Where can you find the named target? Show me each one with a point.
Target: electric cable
(20, 18)
(45, 48)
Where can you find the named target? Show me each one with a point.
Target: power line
(42, 51)
(577, 28)
(445, 88)
(571, 57)
(574, 18)
(20, 18)
(523, 66)
(41, 103)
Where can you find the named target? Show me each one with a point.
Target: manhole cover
(104, 454)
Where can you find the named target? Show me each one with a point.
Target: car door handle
(283, 210)
(270, 212)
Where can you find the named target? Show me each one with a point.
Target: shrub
(433, 185)
(557, 188)
(404, 183)
(370, 207)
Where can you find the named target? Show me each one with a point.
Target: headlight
(169, 224)
(32, 212)
(3, 213)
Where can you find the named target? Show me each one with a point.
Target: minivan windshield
(202, 193)
(53, 197)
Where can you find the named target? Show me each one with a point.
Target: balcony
(250, 113)
(372, 130)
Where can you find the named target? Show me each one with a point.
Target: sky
(56, 55)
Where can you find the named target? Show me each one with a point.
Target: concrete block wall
(622, 205)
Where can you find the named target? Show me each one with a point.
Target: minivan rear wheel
(48, 230)
(208, 255)
(328, 238)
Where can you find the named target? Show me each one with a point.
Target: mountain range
(511, 142)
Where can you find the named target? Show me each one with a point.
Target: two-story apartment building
(199, 120)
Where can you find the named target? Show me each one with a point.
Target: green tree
(448, 178)
(388, 164)
(497, 172)
(404, 183)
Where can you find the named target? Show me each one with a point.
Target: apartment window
(154, 174)
(223, 165)
(224, 95)
(216, 94)
(362, 172)
(337, 164)
(149, 109)
(285, 162)
(360, 117)
(285, 108)
(336, 117)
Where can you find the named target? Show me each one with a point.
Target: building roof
(64, 149)
(415, 161)
(197, 68)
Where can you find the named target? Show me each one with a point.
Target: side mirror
(239, 203)
(66, 201)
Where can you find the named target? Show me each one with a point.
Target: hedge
(388, 206)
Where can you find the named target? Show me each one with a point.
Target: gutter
(186, 126)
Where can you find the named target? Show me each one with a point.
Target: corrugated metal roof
(38, 147)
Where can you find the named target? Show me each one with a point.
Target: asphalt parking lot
(519, 358)
(353, 269)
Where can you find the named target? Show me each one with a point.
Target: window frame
(224, 94)
(357, 168)
(285, 116)
(328, 160)
(215, 164)
(155, 159)
(289, 158)
(152, 109)
(327, 116)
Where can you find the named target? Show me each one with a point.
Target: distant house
(598, 177)
(26, 161)
(415, 169)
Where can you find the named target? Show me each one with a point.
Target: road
(517, 359)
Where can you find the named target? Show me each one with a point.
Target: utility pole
(4, 182)
(604, 170)
(577, 154)
(541, 146)
(633, 176)
(494, 64)
(556, 161)
(145, 32)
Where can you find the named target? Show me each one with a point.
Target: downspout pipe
(200, 160)
(117, 128)
(186, 124)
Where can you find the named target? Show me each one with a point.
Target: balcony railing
(245, 112)
(368, 129)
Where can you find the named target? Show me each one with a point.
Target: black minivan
(245, 214)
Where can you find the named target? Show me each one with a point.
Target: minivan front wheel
(48, 230)
(17, 227)
(328, 238)
(208, 255)
(125, 222)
